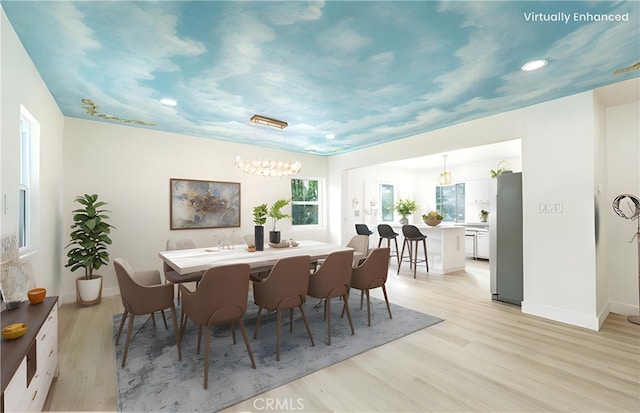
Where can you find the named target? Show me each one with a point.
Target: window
(450, 202)
(29, 136)
(387, 202)
(305, 201)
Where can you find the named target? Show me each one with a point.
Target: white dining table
(200, 259)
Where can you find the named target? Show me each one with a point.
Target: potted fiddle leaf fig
(260, 213)
(89, 241)
(276, 214)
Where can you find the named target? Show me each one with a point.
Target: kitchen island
(445, 247)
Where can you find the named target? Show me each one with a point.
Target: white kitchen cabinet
(30, 363)
(477, 191)
(482, 244)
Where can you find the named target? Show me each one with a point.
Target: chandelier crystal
(268, 167)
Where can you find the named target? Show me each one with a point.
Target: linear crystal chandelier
(267, 166)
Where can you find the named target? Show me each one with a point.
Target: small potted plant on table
(276, 214)
(259, 218)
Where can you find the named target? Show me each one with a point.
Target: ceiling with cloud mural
(344, 75)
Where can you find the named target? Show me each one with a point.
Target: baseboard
(562, 315)
(71, 298)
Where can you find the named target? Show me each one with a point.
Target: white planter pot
(89, 292)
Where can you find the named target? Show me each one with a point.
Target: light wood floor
(486, 356)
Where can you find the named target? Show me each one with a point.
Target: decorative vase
(274, 237)
(259, 237)
(404, 220)
(89, 292)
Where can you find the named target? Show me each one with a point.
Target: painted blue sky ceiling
(367, 72)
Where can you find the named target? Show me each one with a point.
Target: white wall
(558, 152)
(623, 153)
(20, 84)
(130, 169)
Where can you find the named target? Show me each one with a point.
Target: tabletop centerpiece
(433, 218)
(405, 207)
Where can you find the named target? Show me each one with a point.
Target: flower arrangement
(406, 206)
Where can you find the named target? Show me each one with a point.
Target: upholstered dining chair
(172, 276)
(141, 299)
(284, 288)
(332, 280)
(360, 245)
(221, 297)
(372, 273)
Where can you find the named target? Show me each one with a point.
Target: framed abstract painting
(197, 204)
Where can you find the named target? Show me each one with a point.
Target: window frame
(393, 193)
(319, 203)
(29, 131)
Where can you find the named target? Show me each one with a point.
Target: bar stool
(386, 232)
(412, 237)
(363, 229)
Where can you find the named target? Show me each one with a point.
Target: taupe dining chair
(360, 245)
(221, 297)
(284, 288)
(332, 280)
(140, 299)
(372, 273)
(172, 276)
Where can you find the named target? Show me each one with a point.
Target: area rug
(154, 380)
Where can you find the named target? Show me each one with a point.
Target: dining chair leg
(329, 319)
(246, 341)
(199, 339)
(166, 327)
(233, 331)
(124, 317)
(291, 320)
(153, 319)
(176, 331)
(368, 309)
(255, 332)
(206, 356)
(278, 332)
(345, 307)
(128, 339)
(361, 298)
(386, 299)
(306, 324)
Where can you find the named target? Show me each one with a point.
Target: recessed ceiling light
(330, 136)
(533, 65)
(168, 102)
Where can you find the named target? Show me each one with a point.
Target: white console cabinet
(30, 363)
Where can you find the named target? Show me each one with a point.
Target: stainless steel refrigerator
(505, 226)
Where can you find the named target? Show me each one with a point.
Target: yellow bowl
(14, 331)
(37, 295)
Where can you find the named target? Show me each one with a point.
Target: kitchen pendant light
(445, 176)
